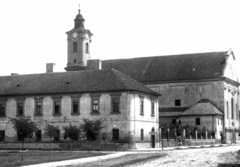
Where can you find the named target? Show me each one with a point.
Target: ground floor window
(2, 135)
(115, 134)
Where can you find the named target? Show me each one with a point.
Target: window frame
(36, 107)
(92, 105)
(198, 121)
(73, 108)
(86, 48)
(75, 47)
(5, 107)
(112, 105)
(177, 102)
(152, 109)
(17, 108)
(228, 115)
(54, 107)
(141, 105)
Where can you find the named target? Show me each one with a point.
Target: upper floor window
(2, 109)
(74, 46)
(38, 108)
(87, 48)
(19, 108)
(95, 106)
(57, 107)
(232, 109)
(141, 106)
(75, 106)
(177, 102)
(227, 109)
(115, 105)
(197, 121)
(152, 109)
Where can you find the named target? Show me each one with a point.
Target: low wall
(68, 146)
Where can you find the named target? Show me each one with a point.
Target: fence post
(184, 135)
(175, 137)
(162, 137)
(211, 139)
(159, 137)
(206, 137)
(196, 136)
(168, 136)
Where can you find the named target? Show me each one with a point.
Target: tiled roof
(203, 107)
(171, 68)
(70, 82)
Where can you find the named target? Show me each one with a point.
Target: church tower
(79, 40)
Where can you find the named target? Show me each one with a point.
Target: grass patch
(13, 158)
(128, 159)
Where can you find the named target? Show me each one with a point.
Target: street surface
(202, 157)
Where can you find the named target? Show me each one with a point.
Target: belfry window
(87, 48)
(74, 46)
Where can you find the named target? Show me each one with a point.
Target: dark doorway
(153, 137)
(57, 137)
(2, 135)
(153, 141)
(115, 134)
(38, 135)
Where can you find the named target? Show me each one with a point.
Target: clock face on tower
(74, 35)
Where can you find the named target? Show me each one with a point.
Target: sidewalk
(118, 154)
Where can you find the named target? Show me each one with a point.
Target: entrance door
(38, 135)
(153, 141)
(2, 135)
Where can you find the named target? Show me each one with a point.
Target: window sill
(141, 114)
(152, 115)
(20, 115)
(38, 115)
(115, 113)
(95, 113)
(57, 114)
(75, 113)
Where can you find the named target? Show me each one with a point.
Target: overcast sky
(32, 33)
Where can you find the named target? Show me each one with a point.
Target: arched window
(232, 108)
(227, 110)
(74, 46)
(153, 129)
(87, 48)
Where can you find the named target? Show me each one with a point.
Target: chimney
(94, 64)
(14, 74)
(50, 67)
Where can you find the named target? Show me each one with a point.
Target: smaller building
(128, 108)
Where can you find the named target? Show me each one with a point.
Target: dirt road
(206, 157)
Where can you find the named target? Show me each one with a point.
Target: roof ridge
(193, 53)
